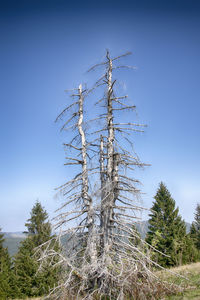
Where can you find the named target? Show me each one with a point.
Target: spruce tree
(191, 254)
(167, 231)
(6, 278)
(195, 228)
(30, 281)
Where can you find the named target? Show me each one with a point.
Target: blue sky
(47, 46)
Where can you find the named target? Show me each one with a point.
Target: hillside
(13, 239)
(142, 227)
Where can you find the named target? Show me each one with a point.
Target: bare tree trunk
(88, 204)
(108, 196)
(103, 193)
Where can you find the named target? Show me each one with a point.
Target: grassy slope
(191, 285)
(30, 299)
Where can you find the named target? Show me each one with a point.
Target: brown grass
(194, 267)
(30, 299)
(190, 285)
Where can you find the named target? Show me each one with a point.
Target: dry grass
(195, 267)
(190, 283)
(30, 299)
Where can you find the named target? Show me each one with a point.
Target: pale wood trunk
(91, 245)
(108, 199)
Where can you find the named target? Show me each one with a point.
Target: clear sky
(46, 47)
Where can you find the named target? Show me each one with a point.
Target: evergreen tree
(30, 281)
(6, 278)
(195, 228)
(38, 226)
(167, 231)
(191, 254)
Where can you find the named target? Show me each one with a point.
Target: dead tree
(118, 190)
(77, 192)
(99, 259)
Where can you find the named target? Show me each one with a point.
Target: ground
(190, 282)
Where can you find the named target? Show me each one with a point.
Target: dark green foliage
(167, 231)
(38, 228)
(194, 235)
(31, 281)
(191, 254)
(6, 276)
(195, 228)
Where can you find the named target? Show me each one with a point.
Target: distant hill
(142, 227)
(13, 239)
